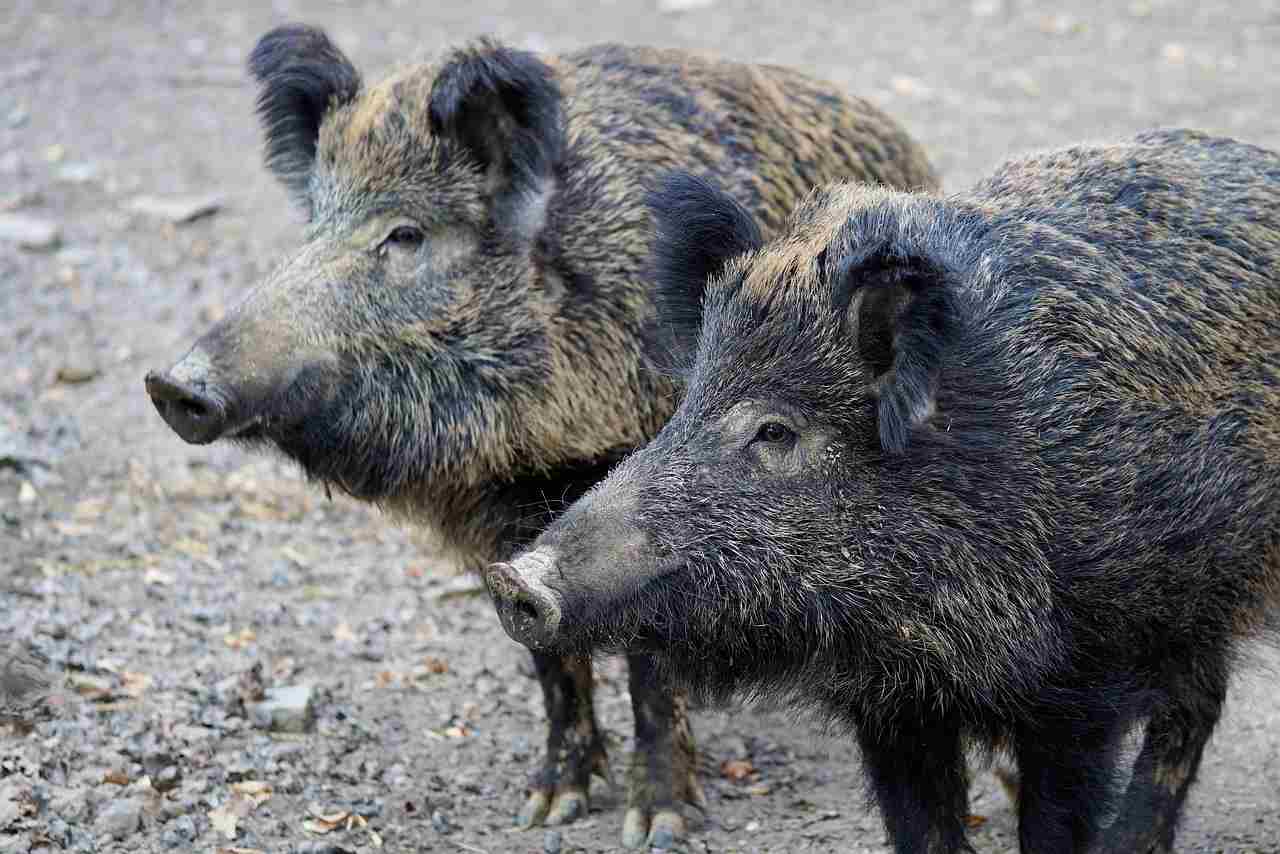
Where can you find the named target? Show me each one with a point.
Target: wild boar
(459, 337)
(998, 469)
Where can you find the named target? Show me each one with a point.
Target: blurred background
(167, 586)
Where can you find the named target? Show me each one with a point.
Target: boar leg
(663, 771)
(1067, 772)
(1175, 739)
(919, 777)
(558, 792)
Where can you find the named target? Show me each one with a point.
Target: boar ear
(901, 313)
(698, 229)
(302, 76)
(503, 108)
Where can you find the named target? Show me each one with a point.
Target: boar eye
(405, 237)
(774, 432)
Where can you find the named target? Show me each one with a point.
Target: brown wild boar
(458, 338)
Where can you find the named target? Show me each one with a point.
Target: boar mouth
(641, 619)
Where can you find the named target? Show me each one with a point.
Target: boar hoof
(551, 808)
(663, 832)
(567, 806)
(535, 809)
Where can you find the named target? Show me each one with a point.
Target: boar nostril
(529, 612)
(196, 414)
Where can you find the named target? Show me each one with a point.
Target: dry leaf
(255, 790)
(116, 777)
(94, 688)
(134, 684)
(296, 556)
(224, 819)
(736, 770)
(240, 639)
(322, 822)
(435, 665)
(972, 821)
(156, 576)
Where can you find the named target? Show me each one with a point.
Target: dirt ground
(165, 584)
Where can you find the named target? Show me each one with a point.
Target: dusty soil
(165, 585)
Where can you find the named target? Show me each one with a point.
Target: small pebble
(120, 818)
(29, 232)
(286, 709)
(177, 210)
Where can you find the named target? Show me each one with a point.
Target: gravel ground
(197, 605)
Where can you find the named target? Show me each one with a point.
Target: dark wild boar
(998, 469)
(458, 338)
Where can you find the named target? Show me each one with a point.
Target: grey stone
(71, 804)
(289, 708)
(181, 832)
(19, 844)
(76, 256)
(120, 818)
(29, 232)
(166, 778)
(78, 172)
(176, 209)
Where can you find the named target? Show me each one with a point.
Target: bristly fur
(302, 76)
(903, 323)
(698, 229)
(503, 107)
(459, 338)
(1070, 528)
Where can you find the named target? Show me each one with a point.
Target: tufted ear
(503, 108)
(301, 75)
(698, 229)
(901, 314)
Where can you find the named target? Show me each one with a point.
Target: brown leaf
(435, 665)
(736, 770)
(255, 790)
(974, 821)
(94, 688)
(116, 777)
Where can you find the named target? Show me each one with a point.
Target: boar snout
(195, 409)
(528, 609)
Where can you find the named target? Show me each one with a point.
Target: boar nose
(196, 413)
(530, 613)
